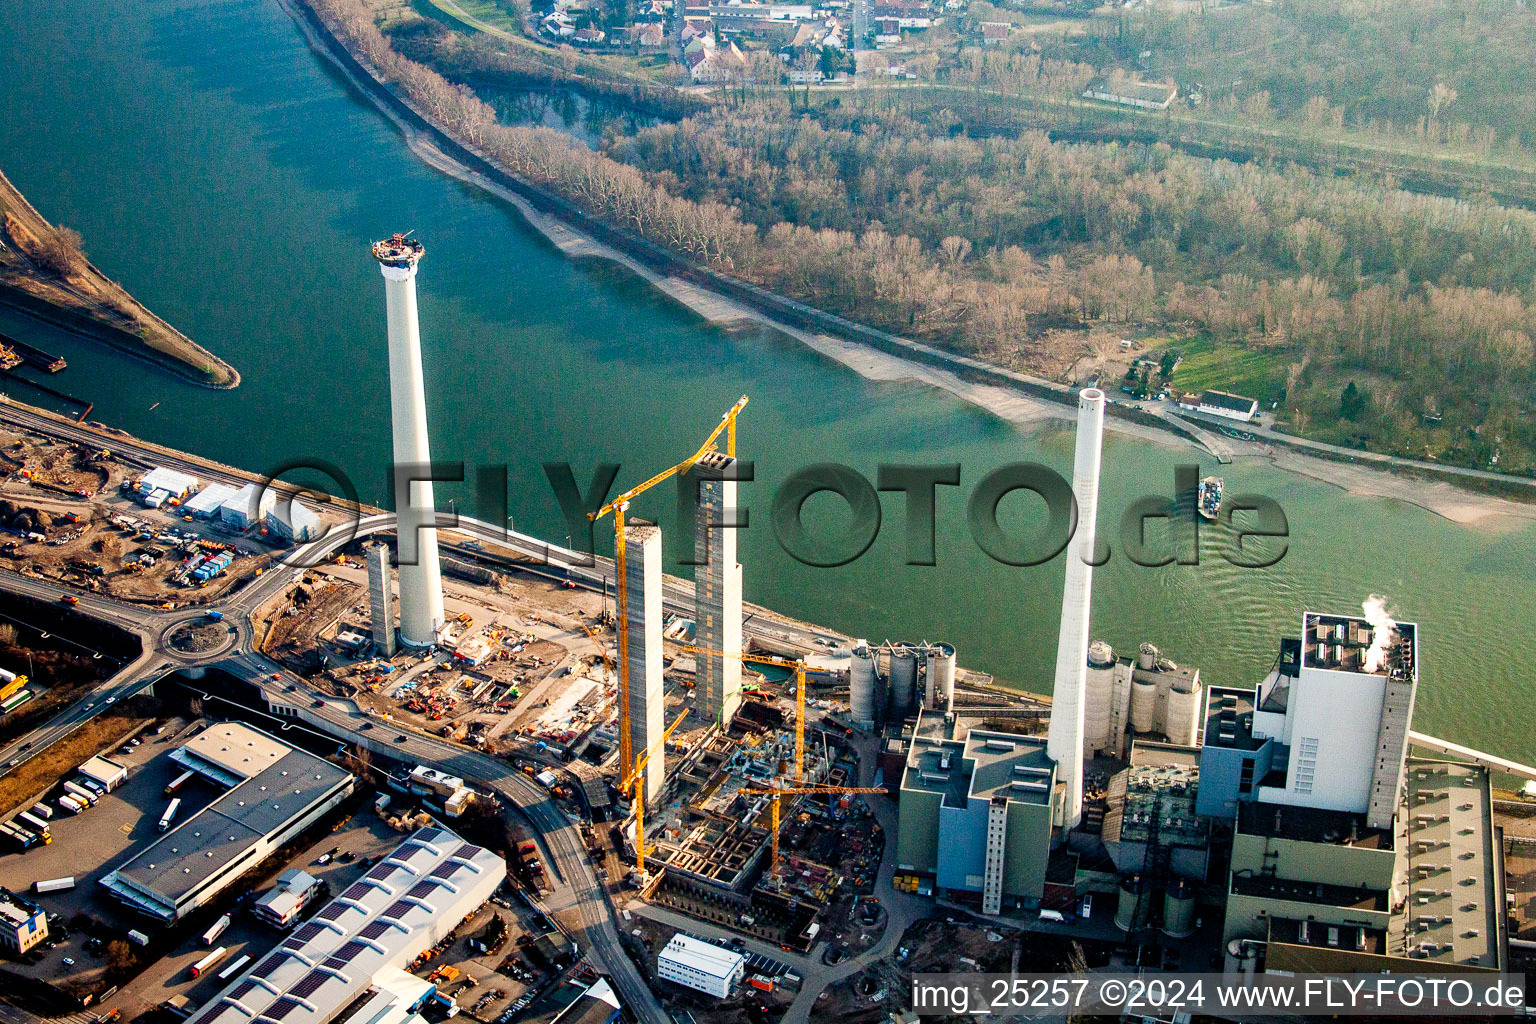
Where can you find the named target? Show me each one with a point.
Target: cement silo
(861, 686)
(1146, 657)
(1131, 913)
(1144, 704)
(1179, 910)
(903, 676)
(940, 676)
(1182, 717)
(1099, 697)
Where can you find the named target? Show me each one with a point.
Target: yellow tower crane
(798, 666)
(618, 506)
(633, 780)
(779, 792)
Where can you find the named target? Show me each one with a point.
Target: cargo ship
(32, 355)
(1208, 501)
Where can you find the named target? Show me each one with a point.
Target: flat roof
(705, 957)
(1310, 825)
(181, 861)
(1007, 765)
(947, 756)
(1454, 911)
(420, 891)
(237, 749)
(15, 909)
(1318, 893)
(1342, 643)
(1229, 718)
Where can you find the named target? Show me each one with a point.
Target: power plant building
(642, 651)
(1146, 696)
(717, 592)
(975, 811)
(421, 582)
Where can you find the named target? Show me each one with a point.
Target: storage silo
(1131, 913)
(903, 676)
(1146, 657)
(1144, 705)
(1099, 697)
(1179, 910)
(861, 686)
(941, 676)
(1183, 710)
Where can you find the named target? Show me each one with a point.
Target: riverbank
(1008, 394)
(44, 275)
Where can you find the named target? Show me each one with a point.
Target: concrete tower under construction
(717, 591)
(381, 598)
(642, 651)
(1065, 741)
(421, 583)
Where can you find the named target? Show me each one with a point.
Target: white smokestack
(421, 582)
(1382, 625)
(1064, 743)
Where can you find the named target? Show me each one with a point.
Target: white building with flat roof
(172, 481)
(701, 966)
(292, 521)
(247, 506)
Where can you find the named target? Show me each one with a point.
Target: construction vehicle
(618, 507)
(631, 785)
(778, 792)
(797, 665)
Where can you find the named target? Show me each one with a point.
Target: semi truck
(170, 814)
(208, 962)
(177, 783)
(36, 824)
(72, 803)
(80, 793)
(215, 930)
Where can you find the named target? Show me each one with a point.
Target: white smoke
(1382, 625)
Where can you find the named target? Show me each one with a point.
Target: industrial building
(599, 1004)
(1146, 696)
(23, 924)
(294, 522)
(701, 966)
(247, 506)
(448, 790)
(274, 792)
(1069, 695)
(1151, 827)
(717, 592)
(205, 504)
(346, 963)
(106, 773)
(1329, 724)
(891, 681)
(381, 598)
(642, 653)
(421, 582)
(161, 485)
(976, 810)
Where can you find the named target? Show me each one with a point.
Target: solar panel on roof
(373, 929)
(332, 911)
(443, 870)
(346, 954)
(467, 851)
(356, 891)
(307, 931)
(421, 890)
(280, 1009)
(397, 909)
(268, 965)
(308, 984)
(381, 872)
(242, 989)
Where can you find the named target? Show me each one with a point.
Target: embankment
(91, 305)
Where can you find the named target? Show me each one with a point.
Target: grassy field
(486, 12)
(1206, 364)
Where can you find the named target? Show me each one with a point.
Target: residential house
(994, 33)
(1142, 95)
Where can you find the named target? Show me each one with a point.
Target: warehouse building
(274, 792)
(292, 521)
(248, 506)
(160, 485)
(983, 799)
(205, 504)
(346, 963)
(701, 966)
(107, 774)
(597, 1005)
(23, 924)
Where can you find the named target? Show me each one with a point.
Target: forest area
(1400, 321)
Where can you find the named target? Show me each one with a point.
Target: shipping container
(177, 783)
(54, 885)
(207, 963)
(234, 968)
(42, 810)
(215, 930)
(138, 938)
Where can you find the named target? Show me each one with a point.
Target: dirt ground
(103, 732)
(96, 537)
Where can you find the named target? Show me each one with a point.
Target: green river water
(231, 180)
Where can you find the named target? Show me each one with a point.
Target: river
(231, 181)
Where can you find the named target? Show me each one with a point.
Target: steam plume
(1382, 626)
